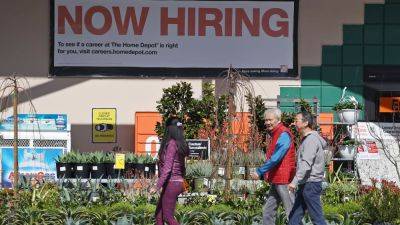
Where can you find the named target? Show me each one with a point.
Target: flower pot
(348, 115)
(98, 170)
(347, 151)
(82, 170)
(65, 170)
(200, 184)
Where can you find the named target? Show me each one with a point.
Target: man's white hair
(276, 112)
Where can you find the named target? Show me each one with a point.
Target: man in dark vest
(279, 167)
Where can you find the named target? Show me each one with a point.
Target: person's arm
(306, 161)
(281, 148)
(168, 163)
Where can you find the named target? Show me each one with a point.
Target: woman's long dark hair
(174, 130)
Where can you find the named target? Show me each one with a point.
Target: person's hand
(254, 176)
(292, 187)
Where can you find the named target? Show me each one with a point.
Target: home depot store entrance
(382, 93)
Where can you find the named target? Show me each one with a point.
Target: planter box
(130, 171)
(65, 170)
(149, 170)
(82, 170)
(145, 170)
(111, 172)
(98, 171)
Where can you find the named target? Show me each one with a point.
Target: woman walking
(171, 167)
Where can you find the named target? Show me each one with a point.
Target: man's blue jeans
(308, 197)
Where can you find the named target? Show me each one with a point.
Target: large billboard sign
(173, 38)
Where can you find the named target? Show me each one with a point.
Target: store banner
(36, 122)
(104, 125)
(31, 162)
(189, 37)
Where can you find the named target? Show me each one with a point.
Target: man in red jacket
(279, 168)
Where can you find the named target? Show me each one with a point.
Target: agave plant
(109, 158)
(131, 158)
(192, 218)
(82, 158)
(145, 159)
(69, 157)
(96, 157)
(71, 221)
(123, 221)
(198, 169)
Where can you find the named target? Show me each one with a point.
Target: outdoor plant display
(82, 165)
(145, 167)
(97, 167)
(65, 165)
(381, 204)
(90, 203)
(200, 171)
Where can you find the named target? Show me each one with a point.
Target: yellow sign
(104, 125)
(119, 161)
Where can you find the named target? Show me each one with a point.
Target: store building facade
(339, 44)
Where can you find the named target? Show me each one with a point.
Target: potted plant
(200, 171)
(348, 110)
(98, 169)
(109, 163)
(65, 165)
(82, 165)
(348, 148)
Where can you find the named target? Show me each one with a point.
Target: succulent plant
(200, 168)
(70, 157)
(96, 157)
(131, 158)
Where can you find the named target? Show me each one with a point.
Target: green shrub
(340, 192)
(347, 105)
(145, 208)
(347, 208)
(381, 204)
(124, 208)
(219, 208)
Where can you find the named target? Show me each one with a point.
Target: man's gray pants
(276, 195)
